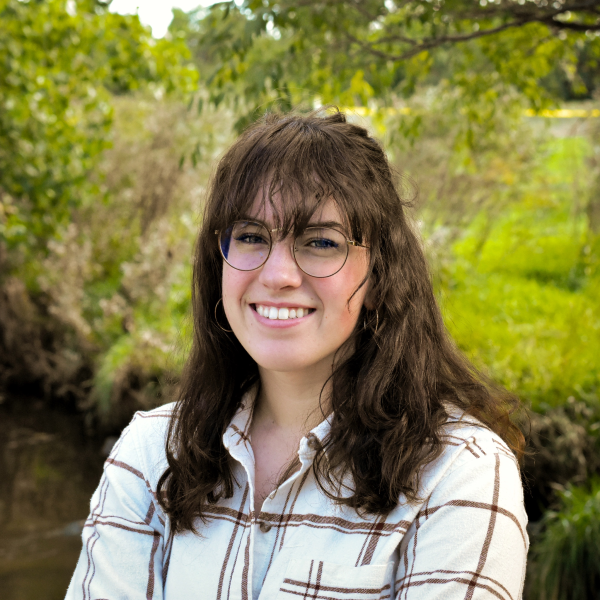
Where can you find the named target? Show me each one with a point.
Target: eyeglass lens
(319, 251)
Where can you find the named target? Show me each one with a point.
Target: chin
(284, 361)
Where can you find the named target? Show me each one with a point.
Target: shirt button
(265, 527)
(313, 442)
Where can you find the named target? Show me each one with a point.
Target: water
(48, 472)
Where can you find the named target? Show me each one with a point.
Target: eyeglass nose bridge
(291, 246)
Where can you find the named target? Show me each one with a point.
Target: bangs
(290, 172)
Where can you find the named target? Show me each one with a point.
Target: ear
(369, 301)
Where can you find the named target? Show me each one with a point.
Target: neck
(292, 400)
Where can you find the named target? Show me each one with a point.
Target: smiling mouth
(282, 314)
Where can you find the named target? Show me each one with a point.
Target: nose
(280, 270)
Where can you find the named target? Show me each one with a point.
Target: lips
(282, 313)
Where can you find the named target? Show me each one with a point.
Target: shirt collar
(237, 435)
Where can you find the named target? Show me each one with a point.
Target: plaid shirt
(466, 540)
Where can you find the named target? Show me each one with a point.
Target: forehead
(275, 212)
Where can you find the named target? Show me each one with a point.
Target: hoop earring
(376, 322)
(217, 320)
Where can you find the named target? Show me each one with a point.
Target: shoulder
(142, 443)
(476, 469)
(153, 422)
(468, 534)
(466, 438)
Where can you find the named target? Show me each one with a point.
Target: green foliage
(355, 53)
(119, 276)
(57, 68)
(102, 164)
(565, 556)
(518, 295)
(515, 259)
(564, 444)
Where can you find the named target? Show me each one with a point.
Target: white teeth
(270, 312)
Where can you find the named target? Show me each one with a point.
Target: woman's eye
(250, 238)
(322, 243)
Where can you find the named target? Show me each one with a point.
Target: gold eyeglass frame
(293, 248)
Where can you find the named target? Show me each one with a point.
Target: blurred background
(111, 119)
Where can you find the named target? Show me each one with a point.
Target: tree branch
(520, 18)
(429, 44)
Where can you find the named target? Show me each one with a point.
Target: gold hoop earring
(217, 320)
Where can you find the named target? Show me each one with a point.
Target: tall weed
(564, 559)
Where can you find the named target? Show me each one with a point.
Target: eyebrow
(325, 224)
(334, 224)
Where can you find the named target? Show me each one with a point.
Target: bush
(60, 62)
(564, 558)
(106, 306)
(564, 445)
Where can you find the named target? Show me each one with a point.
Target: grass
(564, 560)
(519, 295)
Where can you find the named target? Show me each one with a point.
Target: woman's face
(328, 317)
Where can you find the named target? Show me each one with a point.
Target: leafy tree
(59, 62)
(479, 64)
(350, 51)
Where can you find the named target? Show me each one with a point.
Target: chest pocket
(321, 580)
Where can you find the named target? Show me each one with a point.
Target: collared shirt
(465, 539)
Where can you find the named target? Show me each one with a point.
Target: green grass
(519, 294)
(564, 561)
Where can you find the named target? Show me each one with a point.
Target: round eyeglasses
(318, 251)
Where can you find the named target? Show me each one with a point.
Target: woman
(328, 440)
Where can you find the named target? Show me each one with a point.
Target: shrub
(106, 307)
(564, 444)
(564, 561)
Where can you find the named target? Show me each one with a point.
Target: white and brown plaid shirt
(465, 540)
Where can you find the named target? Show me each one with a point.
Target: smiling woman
(311, 275)
(328, 440)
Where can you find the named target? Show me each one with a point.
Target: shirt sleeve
(469, 540)
(122, 553)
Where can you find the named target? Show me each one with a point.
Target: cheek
(228, 283)
(338, 308)
(235, 283)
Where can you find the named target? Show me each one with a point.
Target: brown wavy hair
(391, 394)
